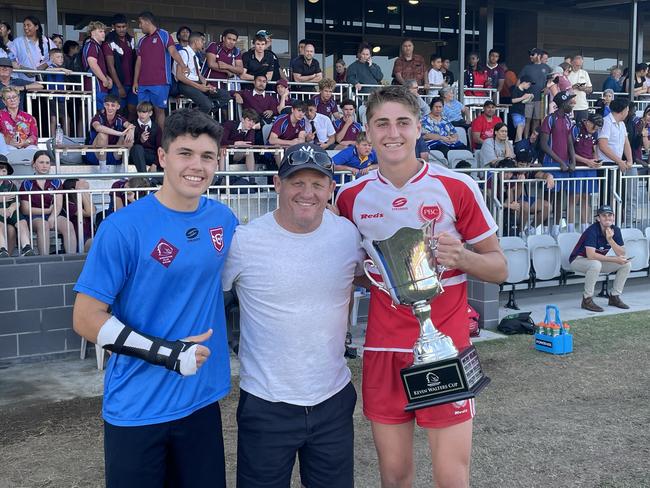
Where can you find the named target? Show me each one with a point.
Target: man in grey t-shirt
(293, 271)
(536, 71)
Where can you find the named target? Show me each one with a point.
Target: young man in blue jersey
(157, 263)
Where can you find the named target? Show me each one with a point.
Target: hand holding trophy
(411, 275)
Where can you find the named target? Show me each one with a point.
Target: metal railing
(64, 102)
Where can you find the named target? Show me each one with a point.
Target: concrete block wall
(484, 297)
(36, 301)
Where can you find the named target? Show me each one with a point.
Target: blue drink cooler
(558, 344)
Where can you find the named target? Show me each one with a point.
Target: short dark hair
(435, 100)
(230, 31)
(259, 38)
(489, 102)
(347, 101)
(434, 57)
(249, 113)
(56, 50)
(618, 105)
(302, 41)
(190, 122)
(146, 15)
(494, 51)
(299, 105)
(119, 19)
(181, 28)
(260, 75)
(310, 103)
(68, 45)
(195, 35)
(362, 46)
(41, 152)
(112, 98)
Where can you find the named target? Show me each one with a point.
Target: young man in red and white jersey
(407, 192)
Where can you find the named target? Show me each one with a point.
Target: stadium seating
(567, 241)
(518, 257)
(545, 256)
(636, 246)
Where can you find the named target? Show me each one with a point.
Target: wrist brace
(178, 356)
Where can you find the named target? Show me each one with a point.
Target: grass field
(545, 421)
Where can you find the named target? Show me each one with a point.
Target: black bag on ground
(517, 323)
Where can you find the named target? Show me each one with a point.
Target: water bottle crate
(560, 344)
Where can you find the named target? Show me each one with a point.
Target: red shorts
(384, 398)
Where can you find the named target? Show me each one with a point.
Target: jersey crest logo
(430, 212)
(164, 253)
(216, 234)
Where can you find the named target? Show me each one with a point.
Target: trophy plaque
(411, 276)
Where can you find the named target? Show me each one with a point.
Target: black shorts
(270, 435)
(187, 452)
(11, 219)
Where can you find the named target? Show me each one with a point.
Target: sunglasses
(298, 158)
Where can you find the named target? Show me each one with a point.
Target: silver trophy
(411, 276)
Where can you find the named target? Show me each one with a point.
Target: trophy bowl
(411, 276)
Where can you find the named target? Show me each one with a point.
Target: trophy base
(445, 381)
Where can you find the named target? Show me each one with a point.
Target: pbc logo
(430, 212)
(164, 253)
(399, 203)
(377, 215)
(216, 234)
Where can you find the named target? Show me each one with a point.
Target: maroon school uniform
(352, 132)
(92, 49)
(259, 102)
(285, 130)
(155, 67)
(126, 53)
(325, 107)
(39, 201)
(232, 133)
(225, 56)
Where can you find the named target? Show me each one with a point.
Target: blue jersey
(350, 157)
(160, 270)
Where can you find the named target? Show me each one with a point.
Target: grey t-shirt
(294, 291)
(537, 73)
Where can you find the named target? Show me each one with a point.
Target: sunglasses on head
(297, 158)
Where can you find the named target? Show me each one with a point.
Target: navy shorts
(182, 453)
(270, 435)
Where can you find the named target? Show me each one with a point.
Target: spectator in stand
(590, 256)
(640, 88)
(602, 105)
(257, 61)
(520, 95)
(277, 73)
(120, 199)
(544, 57)
(325, 102)
(497, 147)
(43, 210)
(557, 81)
(439, 133)
(6, 37)
(410, 66)
(305, 68)
(6, 79)
(556, 141)
(240, 134)
(639, 140)
(70, 50)
(614, 81)
(264, 103)
(476, 75)
(289, 129)
(483, 125)
(613, 143)
(152, 78)
(202, 54)
(11, 225)
(435, 77)
(70, 209)
(454, 111)
(32, 50)
(183, 37)
(510, 80)
(109, 128)
(193, 85)
(585, 141)
(340, 71)
(147, 139)
(224, 59)
(347, 129)
(57, 40)
(495, 71)
(18, 128)
(581, 82)
(446, 73)
(284, 98)
(94, 61)
(533, 205)
(318, 127)
(55, 79)
(412, 86)
(363, 71)
(537, 72)
(530, 145)
(119, 51)
(358, 158)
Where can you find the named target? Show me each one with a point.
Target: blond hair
(95, 25)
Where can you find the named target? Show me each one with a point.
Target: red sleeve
(475, 125)
(346, 198)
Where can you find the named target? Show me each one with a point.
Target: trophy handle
(434, 247)
(366, 264)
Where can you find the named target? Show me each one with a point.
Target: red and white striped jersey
(379, 209)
